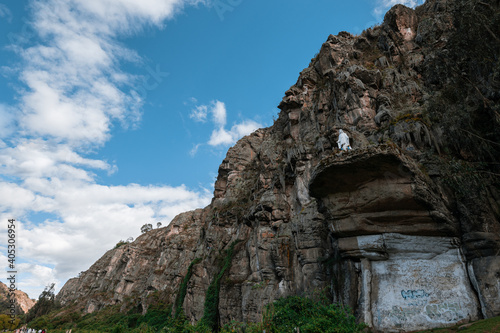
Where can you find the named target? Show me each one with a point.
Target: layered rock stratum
(404, 228)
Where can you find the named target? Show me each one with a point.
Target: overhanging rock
(400, 263)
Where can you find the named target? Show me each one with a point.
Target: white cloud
(382, 6)
(33, 278)
(15, 198)
(89, 220)
(220, 135)
(75, 91)
(93, 218)
(73, 100)
(194, 150)
(199, 113)
(223, 137)
(123, 13)
(75, 86)
(219, 113)
(6, 121)
(37, 158)
(244, 128)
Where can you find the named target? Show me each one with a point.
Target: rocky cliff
(22, 301)
(404, 228)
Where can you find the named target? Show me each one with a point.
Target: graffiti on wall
(414, 294)
(417, 303)
(415, 297)
(447, 312)
(401, 314)
(444, 311)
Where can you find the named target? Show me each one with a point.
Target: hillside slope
(22, 301)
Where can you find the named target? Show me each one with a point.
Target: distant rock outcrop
(22, 301)
(404, 228)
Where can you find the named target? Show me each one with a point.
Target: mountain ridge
(22, 301)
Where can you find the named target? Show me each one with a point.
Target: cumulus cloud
(382, 6)
(199, 113)
(75, 86)
(220, 135)
(34, 278)
(15, 198)
(122, 14)
(219, 113)
(38, 158)
(93, 217)
(75, 91)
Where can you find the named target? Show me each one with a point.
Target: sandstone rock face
(155, 261)
(22, 300)
(404, 229)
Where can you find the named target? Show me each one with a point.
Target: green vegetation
(183, 289)
(463, 177)
(120, 243)
(407, 117)
(466, 105)
(109, 319)
(287, 314)
(46, 303)
(482, 326)
(210, 313)
(7, 323)
(146, 227)
(284, 315)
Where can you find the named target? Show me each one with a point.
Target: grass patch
(284, 315)
(302, 314)
(491, 325)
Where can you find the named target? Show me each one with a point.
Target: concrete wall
(420, 282)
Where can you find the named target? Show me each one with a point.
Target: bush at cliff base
(7, 323)
(284, 315)
(302, 314)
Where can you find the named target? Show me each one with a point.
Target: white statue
(343, 141)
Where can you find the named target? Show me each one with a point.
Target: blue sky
(116, 113)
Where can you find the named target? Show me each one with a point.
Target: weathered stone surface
(423, 284)
(402, 20)
(404, 228)
(155, 261)
(485, 277)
